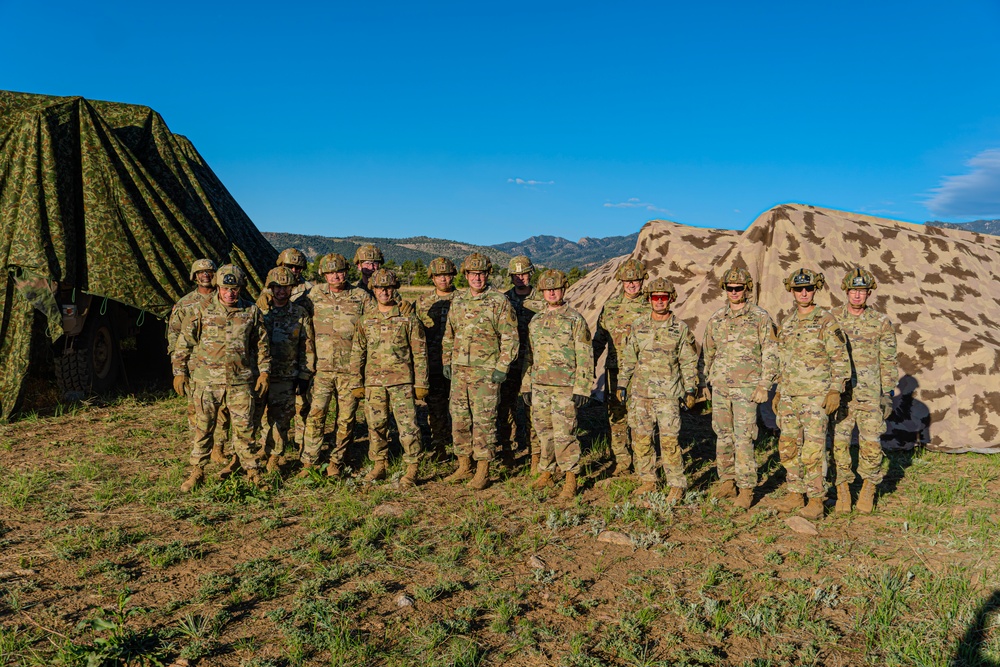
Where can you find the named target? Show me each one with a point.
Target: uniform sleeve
(687, 356)
(174, 327)
(780, 359)
(526, 363)
(448, 341)
(307, 349)
(888, 365)
(506, 328)
(187, 338)
(425, 315)
(359, 355)
(584, 380)
(836, 349)
(708, 348)
(418, 347)
(263, 342)
(628, 360)
(768, 352)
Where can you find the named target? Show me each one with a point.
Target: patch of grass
(19, 489)
(165, 555)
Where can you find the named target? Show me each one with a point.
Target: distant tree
(574, 274)
(420, 274)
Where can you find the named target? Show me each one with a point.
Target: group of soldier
(498, 369)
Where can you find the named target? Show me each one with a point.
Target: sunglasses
(659, 297)
(804, 289)
(735, 288)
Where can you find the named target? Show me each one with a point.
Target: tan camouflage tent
(939, 286)
(101, 198)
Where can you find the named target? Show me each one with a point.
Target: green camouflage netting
(103, 198)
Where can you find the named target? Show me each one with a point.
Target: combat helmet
(520, 264)
(477, 261)
(736, 276)
(383, 278)
(368, 253)
(858, 278)
(631, 269)
(331, 263)
(292, 257)
(230, 275)
(442, 266)
(552, 279)
(201, 265)
(661, 286)
(280, 275)
(804, 278)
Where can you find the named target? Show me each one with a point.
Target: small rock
(800, 525)
(536, 563)
(404, 601)
(388, 509)
(614, 537)
(180, 662)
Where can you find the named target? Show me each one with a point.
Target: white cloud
(635, 202)
(976, 193)
(522, 181)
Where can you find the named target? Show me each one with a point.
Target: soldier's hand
(446, 372)
(420, 393)
(706, 393)
(180, 384)
(831, 402)
(759, 395)
(580, 401)
(358, 392)
(498, 377)
(406, 307)
(775, 401)
(263, 382)
(620, 394)
(526, 397)
(689, 401)
(301, 387)
(886, 404)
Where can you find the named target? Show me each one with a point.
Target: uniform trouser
(474, 411)
(303, 405)
(221, 424)
(802, 445)
(209, 402)
(664, 414)
(618, 419)
(514, 422)
(734, 420)
(553, 415)
(331, 393)
(398, 401)
(275, 422)
(438, 417)
(871, 425)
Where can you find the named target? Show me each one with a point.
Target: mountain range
(981, 226)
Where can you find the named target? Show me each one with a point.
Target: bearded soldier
(813, 368)
(432, 309)
(867, 403)
(741, 363)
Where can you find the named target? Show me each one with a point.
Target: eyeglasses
(810, 288)
(735, 288)
(659, 297)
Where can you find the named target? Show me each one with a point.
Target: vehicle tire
(92, 366)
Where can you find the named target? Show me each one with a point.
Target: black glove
(498, 377)
(526, 397)
(446, 372)
(580, 401)
(301, 387)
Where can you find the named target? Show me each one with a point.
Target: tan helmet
(859, 278)
(383, 278)
(631, 269)
(368, 253)
(477, 261)
(442, 266)
(736, 276)
(201, 265)
(230, 275)
(292, 257)
(661, 286)
(520, 264)
(804, 278)
(280, 275)
(331, 263)
(552, 279)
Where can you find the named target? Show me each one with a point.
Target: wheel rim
(101, 353)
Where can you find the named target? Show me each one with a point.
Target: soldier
(368, 259)
(223, 347)
(389, 367)
(295, 261)
(514, 421)
(659, 368)
(293, 362)
(871, 342)
(613, 324)
(480, 341)
(337, 307)
(741, 363)
(813, 367)
(558, 373)
(432, 309)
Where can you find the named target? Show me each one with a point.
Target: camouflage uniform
(511, 421)
(222, 350)
(480, 337)
(871, 343)
(813, 361)
(659, 366)
(335, 318)
(558, 364)
(432, 309)
(186, 305)
(614, 323)
(740, 350)
(389, 358)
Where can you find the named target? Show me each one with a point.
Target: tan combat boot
(535, 458)
(333, 470)
(194, 480)
(376, 473)
(306, 467)
(843, 499)
(814, 510)
(790, 503)
(620, 469)
(217, 455)
(409, 478)
(482, 478)
(255, 478)
(569, 488)
(644, 488)
(231, 467)
(464, 471)
(745, 499)
(273, 463)
(676, 494)
(725, 489)
(544, 480)
(866, 499)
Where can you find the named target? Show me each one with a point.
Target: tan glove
(706, 393)
(420, 393)
(689, 401)
(406, 307)
(759, 395)
(831, 402)
(358, 392)
(263, 382)
(775, 401)
(886, 404)
(180, 384)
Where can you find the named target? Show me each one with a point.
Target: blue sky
(490, 122)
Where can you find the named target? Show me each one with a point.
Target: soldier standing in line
(813, 367)
(480, 342)
(613, 324)
(337, 307)
(432, 309)
(558, 374)
(293, 363)
(223, 347)
(368, 259)
(741, 363)
(659, 368)
(514, 424)
(871, 342)
(389, 367)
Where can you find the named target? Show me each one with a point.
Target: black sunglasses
(735, 288)
(810, 288)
